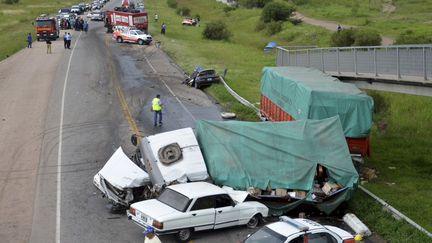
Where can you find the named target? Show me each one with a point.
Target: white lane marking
(169, 89)
(59, 153)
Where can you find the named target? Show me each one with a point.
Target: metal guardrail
(404, 62)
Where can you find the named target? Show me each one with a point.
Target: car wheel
(119, 39)
(196, 85)
(254, 221)
(184, 235)
(140, 42)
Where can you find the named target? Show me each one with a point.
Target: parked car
(189, 21)
(300, 230)
(184, 208)
(202, 77)
(64, 11)
(96, 15)
(76, 9)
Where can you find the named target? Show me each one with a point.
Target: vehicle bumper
(99, 183)
(145, 225)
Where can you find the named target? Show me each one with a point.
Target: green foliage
(253, 3)
(366, 38)
(344, 37)
(183, 11)
(229, 9)
(10, 1)
(277, 11)
(270, 28)
(216, 30)
(411, 37)
(300, 2)
(172, 3)
(355, 37)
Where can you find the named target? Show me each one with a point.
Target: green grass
(409, 14)
(16, 22)
(405, 144)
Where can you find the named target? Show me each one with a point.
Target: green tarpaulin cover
(307, 93)
(276, 154)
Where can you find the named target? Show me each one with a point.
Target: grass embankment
(388, 17)
(401, 152)
(16, 22)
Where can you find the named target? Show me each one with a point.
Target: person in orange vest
(157, 109)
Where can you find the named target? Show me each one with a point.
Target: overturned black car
(202, 77)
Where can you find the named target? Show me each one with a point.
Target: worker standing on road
(29, 40)
(69, 40)
(85, 26)
(157, 109)
(150, 236)
(65, 40)
(48, 42)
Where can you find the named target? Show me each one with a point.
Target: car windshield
(207, 72)
(265, 235)
(44, 23)
(139, 32)
(174, 199)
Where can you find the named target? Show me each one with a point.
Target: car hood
(154, 209)
(122, 173)
(342, 233)
(144, 36)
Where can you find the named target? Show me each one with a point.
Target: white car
(300, 230)
(96, 15)
(184, 208)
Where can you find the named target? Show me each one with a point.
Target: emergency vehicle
(128, 19)
(47, 28)
(131, 35)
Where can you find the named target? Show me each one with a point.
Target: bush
(227, 9)
(274, 27)
(343, 38)
(366, 38)
(300, 2)
(172, 3)
(253, 3)
(183, 11)
(410, 37)
(277, 11)
(10, 1)
(260, 26)
(216, 31)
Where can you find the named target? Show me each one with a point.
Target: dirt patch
(388, 7)
(13, 11)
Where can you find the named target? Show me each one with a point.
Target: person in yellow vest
(150, 236)
(157, 109)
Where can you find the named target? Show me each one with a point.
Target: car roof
(286, 228)
(197, 189)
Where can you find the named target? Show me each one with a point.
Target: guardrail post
(424, 64)
(337, 60)
(308, 58)
(375, 63)
(295, 58)
(322, 60)
(398, 63)
(355, 61)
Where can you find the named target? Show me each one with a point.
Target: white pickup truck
(131, 35)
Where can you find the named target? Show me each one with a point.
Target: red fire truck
(128, 19)
(47, 28)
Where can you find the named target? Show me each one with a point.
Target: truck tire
(184, 235)
(140, 42)
(119, 40)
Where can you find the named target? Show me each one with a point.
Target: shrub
(216, 31)
(277, 11)
(274, 27)
(10, 1)
(260, 26)
(227, 9)
(183, 11)
(253, 3)
(300, 2)
(366, 38)
(172, 3)
(410, 37)
(344, 37)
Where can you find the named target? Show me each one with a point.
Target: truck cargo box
(296, 93)
(130, 19)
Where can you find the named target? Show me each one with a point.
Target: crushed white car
(161, 160)
(184, 208)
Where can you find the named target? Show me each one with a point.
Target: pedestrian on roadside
(157, 109)
(85, 26)
(150, 236)
(339, 28)
(163, 29)
(29, 40)
(156, 17)
(65, 40)
(69, 40)
(48, 42)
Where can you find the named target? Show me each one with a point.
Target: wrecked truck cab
(160, 160)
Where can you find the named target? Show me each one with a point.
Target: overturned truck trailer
(160, 160)
(283, 164)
